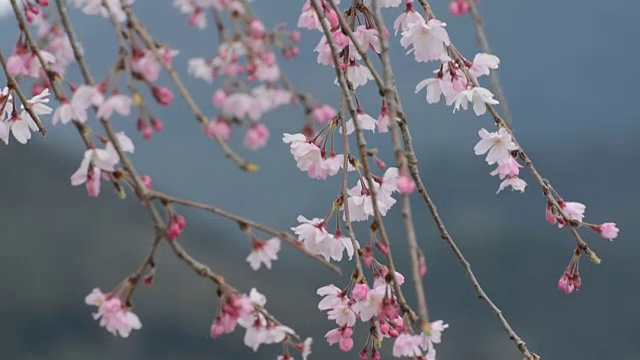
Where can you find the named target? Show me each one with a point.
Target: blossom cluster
(112, 313)
(260, 327)
(377, 305)
(252, 77)
(20, 124)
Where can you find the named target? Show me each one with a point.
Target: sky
(4, 8)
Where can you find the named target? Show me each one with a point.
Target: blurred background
(568, 70)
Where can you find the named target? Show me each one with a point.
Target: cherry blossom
(359, 202)
(218, 126)
(263, 252)
(93, 7)
(426, 39)
(366, 121)
(125, 144)
(607, 230)
(308, 18)
(405, 184)
(407, 345)
(482, 62)
(342, 337)
(366, 37)
(234, 307)
(509, 169)
(256, 136)
(259, 329)
(163, 95)
(357, 74)
(408, 16)
(305, 152)
(21, 124)
(436, 87)
(317, 240)
(93, 163)
(570, 279)
(118, 103)
(478, 96)
(515, 182)
(459, 7)
(113, 314)
(83, 97)
(305, 348)
(323, 113)
(571, 210)
(498, 145)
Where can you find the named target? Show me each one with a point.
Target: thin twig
(75, 45)
(288, 238)
(345, 187)
(362, 149)
(493, 75)
(390, 99)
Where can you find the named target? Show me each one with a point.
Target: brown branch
(362, 149)
(390, 99)
(345, 187)
(75, 45)
(288, 238)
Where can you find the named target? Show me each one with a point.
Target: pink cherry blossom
(366, 121)
(84, 97)
(93, 162)
(305, 348)
(125, 144)
(426, 39)
(366, 37)
(515, 182)
(407, 345)
(405, 184)
(323, 113)
(482, 62)
(478, 96)
(383, 119)
(121, 104)
(113, 7)
(369, 307)
(308, 18)
(508, 168)
(263, 252)
(310, 230)
(607, 230)
(436, 87)
(113, 314)
(498, 145)
(20, 125)
(218, 126)
(360, 291)
(306, 153)
(408, 16)
(360, 203)
(256, 136)
(569, 282)
(341, 336)
(163, 95)
(572, 210)
(357, 74)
